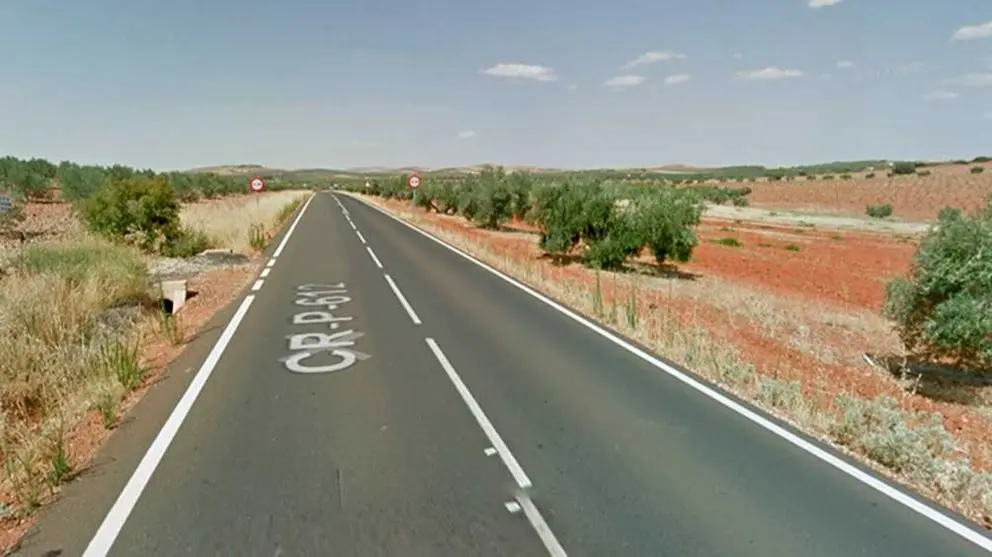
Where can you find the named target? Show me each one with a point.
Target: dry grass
(913, 447)
(66, 346)
(76, 319)
(231, 222)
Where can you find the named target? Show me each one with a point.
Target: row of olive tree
(602, 222)
(36, 179)
(942, 309)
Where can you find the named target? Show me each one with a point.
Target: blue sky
(304, 83)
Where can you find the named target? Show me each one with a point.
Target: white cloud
(980, 31)
(676, 79)
(654, 56)
(972, 80)
(522, 71)
(770, 73)
(941, 96)
(467, 134)
(845, 64)
(621, 81)
(817, 4)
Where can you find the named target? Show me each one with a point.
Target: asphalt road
(462, 417)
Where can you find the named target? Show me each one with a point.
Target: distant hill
(675, 170)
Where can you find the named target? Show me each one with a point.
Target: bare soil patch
(915, 198)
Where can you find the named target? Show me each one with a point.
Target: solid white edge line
(925, 510)
(360, 237)
(406, 305)
(292, 227)
(257, 286)
(271, 262)
(541, 527)
(373, 256)
(112, 524)
(487, 427)
(265, 272)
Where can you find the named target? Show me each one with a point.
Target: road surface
(464, 417)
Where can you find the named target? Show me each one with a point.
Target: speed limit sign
(257, 184)
(414, 181)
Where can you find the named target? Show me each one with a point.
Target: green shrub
(190, 242)
(27, 179)
(558, 211)
(904, 168)
(869, 176)
(977, 169)
(879, 211)
(490, 201)
(667, 221)
(79, 182)
(521, 187)
(943, 309)
(136, 210)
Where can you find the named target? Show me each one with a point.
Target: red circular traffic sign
(414, 181)
(257, 184)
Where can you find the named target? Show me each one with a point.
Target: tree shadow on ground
(937, 382)
(666, 270)
(517, 229)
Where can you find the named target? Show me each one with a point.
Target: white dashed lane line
(271, 262)
(523, 501)
(257, 286)
(487, 427)
(373, 256)
(265, 272)
(406, 305)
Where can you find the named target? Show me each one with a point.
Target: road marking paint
(360, 237)
(257, 286)
(928, 511)
(402, 298)
(374, 258)
(543, 530)
(292, 227)
(512, 506)
(353, 227)
(265, 272)
(271, 262)
(487, 427)
(111, 526)
(489, 451)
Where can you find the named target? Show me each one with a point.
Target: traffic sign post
(257, 184)
(414, 182)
